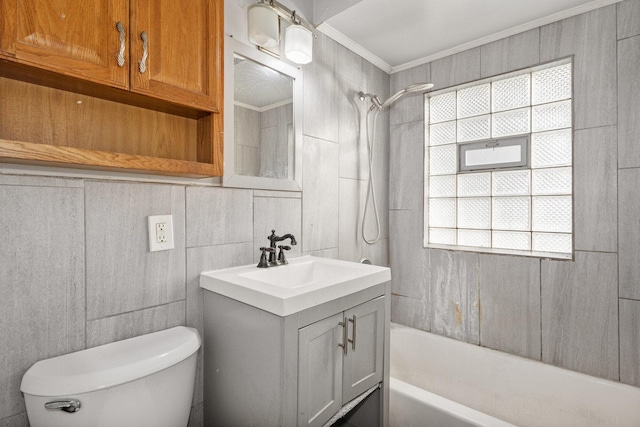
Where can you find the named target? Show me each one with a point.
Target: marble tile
(511, 53)
(217, 216)
(629, 233)
(41, 282)
(40, 181)
(280, 194)
(409, 261)
(350, 65)
(455, 301)
(628, 106)
(320, 91)
(406, 170)
(410, 107)
(280, 214)
(595, 189)
(201, 259)
(510, 304)
(320, 200)
(135, 323)
(20, 420)
(580, 314)
(456, 69)
(122, 275)
(630, 342)
(628, 18)
(411, 312)
(332, 253)
(353, 135)
(351, 243)
(591, 37)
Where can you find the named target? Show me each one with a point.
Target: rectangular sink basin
(303, 283)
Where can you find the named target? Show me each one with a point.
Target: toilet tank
(142, 381)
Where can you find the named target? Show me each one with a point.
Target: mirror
(263, 120)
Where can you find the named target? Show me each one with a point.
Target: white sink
(303, 283)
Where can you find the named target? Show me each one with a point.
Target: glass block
(551, 116)
(551, 242)
(442, 213)
(511, 183)
(474, 184)
(511, 213)
(552, 84)
(442, 160)
(442, 186)
(551, 149)
(473, 101)
(512, 240)
(551, 181)
(552, 214)
(442, 133)
(474, 213)
(478, 238)
(442, 236)
(513, 122)
(442, 107)
(510, 93)
(474, 128)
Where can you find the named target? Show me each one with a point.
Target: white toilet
(142, 381)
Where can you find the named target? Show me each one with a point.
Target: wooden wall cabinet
(73, 48)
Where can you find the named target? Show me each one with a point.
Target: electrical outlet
(160, 232)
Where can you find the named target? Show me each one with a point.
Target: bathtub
(441, 382)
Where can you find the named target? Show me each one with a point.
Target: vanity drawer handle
(345, 338)
(353, 341)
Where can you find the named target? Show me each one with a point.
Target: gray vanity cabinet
(334, 368)
(261, 369)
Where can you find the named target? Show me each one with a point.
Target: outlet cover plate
(156, 224)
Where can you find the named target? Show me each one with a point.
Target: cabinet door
(363, 362)
(183, 56)
(319, 371)
(73, 37)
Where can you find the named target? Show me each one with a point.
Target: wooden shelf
(53, 155)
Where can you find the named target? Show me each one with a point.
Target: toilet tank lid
(111, 364)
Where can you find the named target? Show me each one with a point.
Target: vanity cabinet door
(182, 53)
(73, 37)
(363, 367)
(320, 371)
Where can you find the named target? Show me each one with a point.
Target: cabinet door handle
(120, 28)
(142, 66)
(353, 341)
(345, 338)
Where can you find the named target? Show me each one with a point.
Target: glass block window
(521, 208)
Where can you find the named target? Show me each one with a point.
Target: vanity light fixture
(298, 44)
(264, 31)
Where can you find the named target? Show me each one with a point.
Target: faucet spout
(272, 243)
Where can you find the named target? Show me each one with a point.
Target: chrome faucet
(274, 260)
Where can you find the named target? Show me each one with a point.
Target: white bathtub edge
(453, 409)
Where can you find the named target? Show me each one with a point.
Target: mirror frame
(230, 177)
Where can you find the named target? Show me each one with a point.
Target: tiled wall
(75, 271)
(583, 314)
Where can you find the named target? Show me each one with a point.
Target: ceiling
(400, 34)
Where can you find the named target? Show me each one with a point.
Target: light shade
(263, 25)
(298, 44)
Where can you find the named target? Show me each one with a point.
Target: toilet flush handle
(70, 405)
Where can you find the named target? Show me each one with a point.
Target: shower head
(375, 101)
(419, 87)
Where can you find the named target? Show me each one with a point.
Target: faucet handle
(263, 257)
(281, 257)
